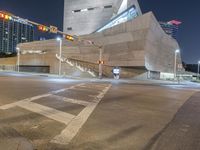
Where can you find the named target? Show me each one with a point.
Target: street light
(18, 58)
(100, 64)
(198, 69)
(100, 61)
(60, 63)
(175, 62)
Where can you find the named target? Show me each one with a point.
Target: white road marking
(47, 112)
(85, 89)
(59, 91)
(70, 100)
(8, 106)
(75, 125)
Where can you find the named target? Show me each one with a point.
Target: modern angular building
(132, 41)
(12, 32)
(83, 17)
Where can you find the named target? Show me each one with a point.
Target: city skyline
(187, 36)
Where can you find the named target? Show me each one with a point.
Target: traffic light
(101, 62)
(69, 37)
(2, 15)
(43, 28)
(53, 29)
(5, 16)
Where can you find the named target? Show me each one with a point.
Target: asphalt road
(67, 114)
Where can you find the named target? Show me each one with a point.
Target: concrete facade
(135, 46)
(86, 16)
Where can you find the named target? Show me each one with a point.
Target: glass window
(75, 11)
(108, 6)
(125, 16)
(69, 28)
(90, 8)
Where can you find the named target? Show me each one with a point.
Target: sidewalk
(182, 133)
(111, 80)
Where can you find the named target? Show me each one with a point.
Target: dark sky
(51, 12)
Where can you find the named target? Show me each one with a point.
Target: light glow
(5, 16)
(177, 51)
(58, 39)
(43, 28)
(84, 10)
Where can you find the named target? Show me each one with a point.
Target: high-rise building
(171, 27)
(12, 32)
(92, 15)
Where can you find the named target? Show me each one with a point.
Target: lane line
(76, 124)
(47, 112)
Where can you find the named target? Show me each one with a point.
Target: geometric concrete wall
(139, 43)
(160, 48)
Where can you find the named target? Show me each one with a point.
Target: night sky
(50, 12)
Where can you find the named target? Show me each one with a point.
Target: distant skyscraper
(171, 27)
(12, 32)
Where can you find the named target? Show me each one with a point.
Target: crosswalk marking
(75, 125)
(8, 106)
(47, 112)
(70, 100)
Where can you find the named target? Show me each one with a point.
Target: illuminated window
(82, 10)
(91, 8)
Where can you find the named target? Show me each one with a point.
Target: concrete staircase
(75, 68)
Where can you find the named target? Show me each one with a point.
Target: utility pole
(100, 64)
(175, 63)
(198, 69)
(18, 58)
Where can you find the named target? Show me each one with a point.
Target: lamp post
(100, 48)
(100, 64)
(198, 69)
(60, 54)
(175, 62)
(18, 58)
